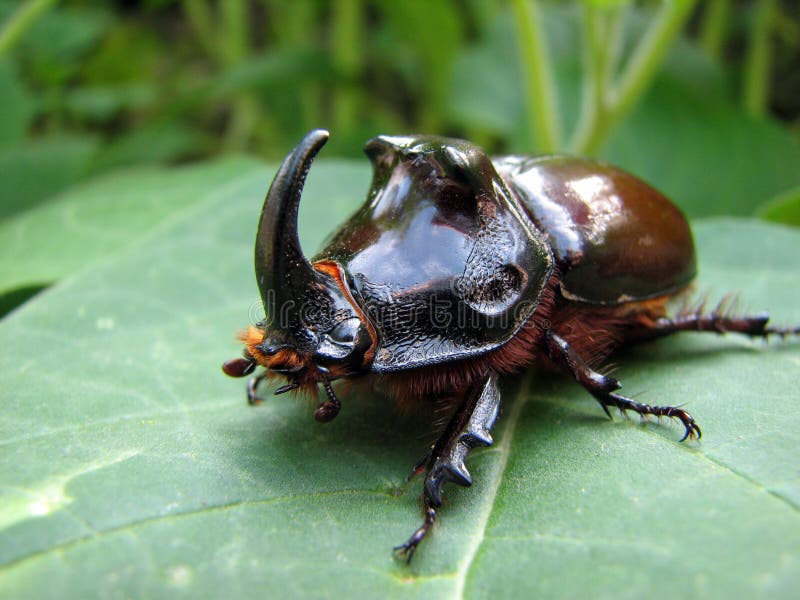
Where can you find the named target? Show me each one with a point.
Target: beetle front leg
(603, 388)
(468, 428)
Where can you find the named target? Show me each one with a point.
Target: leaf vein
(503, 449)
(130, 528)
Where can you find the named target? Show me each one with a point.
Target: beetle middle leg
(252, 389)
(603, 387)
(468, 428)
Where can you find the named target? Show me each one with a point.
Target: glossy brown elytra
(459, 269)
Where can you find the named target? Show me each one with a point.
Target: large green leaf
(132, 467)
(42, 244)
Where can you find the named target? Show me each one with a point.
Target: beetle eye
(342, 341)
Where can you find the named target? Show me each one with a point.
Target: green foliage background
(132, 141)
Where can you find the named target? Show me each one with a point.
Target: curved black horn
(282, 271)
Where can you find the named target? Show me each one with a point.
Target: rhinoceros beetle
(459, 269)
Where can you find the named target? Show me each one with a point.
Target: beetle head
(314, 330)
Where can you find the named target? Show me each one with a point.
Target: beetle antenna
(328, 410)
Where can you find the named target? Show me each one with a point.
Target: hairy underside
(594, 331)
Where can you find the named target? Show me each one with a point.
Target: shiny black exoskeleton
(458, 269)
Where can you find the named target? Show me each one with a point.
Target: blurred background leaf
(17, 106)
(43, 244)
(34, 170)
(89, 86)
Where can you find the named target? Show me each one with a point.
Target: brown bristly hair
(593, 331)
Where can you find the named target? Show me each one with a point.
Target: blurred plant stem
(602, 43)
(346, 41)
(229, 49)
(610, 101)
(234, 17)
(293, 26)
(236, 48)
(714, 27)
(759, 58)
(198, 13)
(18, 23)
(539, 85)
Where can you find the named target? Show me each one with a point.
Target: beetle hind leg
(691, 428)
(719, 322)
(604, 388)
(467, 429)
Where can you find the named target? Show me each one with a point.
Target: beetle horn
(282, 271)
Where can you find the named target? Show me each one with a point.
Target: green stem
(616, 19)
(714, 26)
(236, 46)
(234, 23)
(345, 49)
(199, 15)
(19, 23)
(225, 51)
(289, 28)
(244, 119)
(638, 74)
(598, 60)
(647, 58)
(540, 89)
(758, 59)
